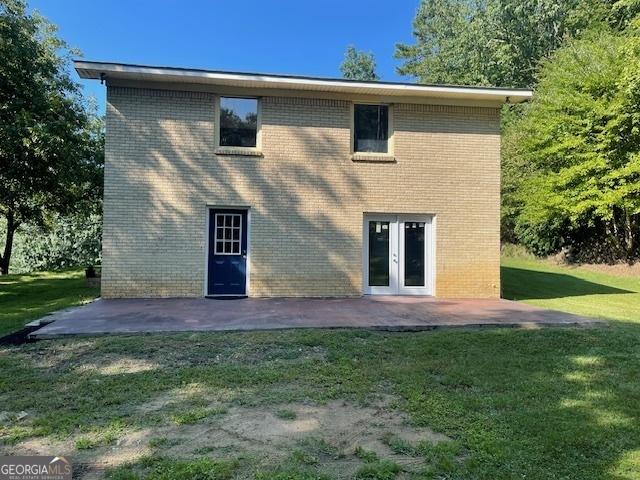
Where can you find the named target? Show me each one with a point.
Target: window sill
(240, 151)
(373, 157)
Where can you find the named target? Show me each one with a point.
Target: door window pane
(371, 124)
(378, 254)
(228, 233)
(238, 122)
(414, 261)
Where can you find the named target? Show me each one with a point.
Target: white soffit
(105, 70)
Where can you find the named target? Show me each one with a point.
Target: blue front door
(227, 252)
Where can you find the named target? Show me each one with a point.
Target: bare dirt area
(334, 436)
(622, 269)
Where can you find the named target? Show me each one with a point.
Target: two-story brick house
(220, 183)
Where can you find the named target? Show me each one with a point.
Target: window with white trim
(238, 122)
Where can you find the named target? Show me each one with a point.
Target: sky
(278, 36)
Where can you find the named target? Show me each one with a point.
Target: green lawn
(537, 404)
(571, 289)
(30, 296)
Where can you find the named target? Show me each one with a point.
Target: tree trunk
(614, 238)
(629, 235)
(5, 258)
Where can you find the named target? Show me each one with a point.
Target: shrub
(63, 242)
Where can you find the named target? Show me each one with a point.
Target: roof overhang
(127, 72)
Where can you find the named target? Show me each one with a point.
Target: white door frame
(411, 290)
(392, 289)
(396, 255)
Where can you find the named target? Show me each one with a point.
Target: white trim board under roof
(127, 72)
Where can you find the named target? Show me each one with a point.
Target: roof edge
(100, 70)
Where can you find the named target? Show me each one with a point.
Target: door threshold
(226, 297)
(369, 294)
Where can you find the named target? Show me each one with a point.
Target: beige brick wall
(307, 196)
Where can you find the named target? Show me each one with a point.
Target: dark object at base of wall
(92, 276)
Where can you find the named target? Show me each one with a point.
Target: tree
(503, 43)
(498, 42)
(358, 65)
(580, 139)
(449, 45)
(63, 242)
(50, 158)
(621, 13)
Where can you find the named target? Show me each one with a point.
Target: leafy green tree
(61, 242)
(502, 43)
(50, 153)
(498, 42)
(577, 147)
(450, 44)
(358, 65)
(620, 13)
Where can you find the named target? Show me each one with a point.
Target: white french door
(397, 255)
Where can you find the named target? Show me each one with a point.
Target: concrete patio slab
(129, 316)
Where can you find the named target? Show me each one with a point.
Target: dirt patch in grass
(273, 353)
(92, 462)
(336, 438)
(61, 356)
(622, 269)
(118, 366)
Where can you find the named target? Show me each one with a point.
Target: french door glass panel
(396, 254)
(379, 243)
(414, 254)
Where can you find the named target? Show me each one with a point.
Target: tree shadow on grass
(549, 403)
(524, 284)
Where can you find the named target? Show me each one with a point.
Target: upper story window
(238, 122)
(371, 128)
